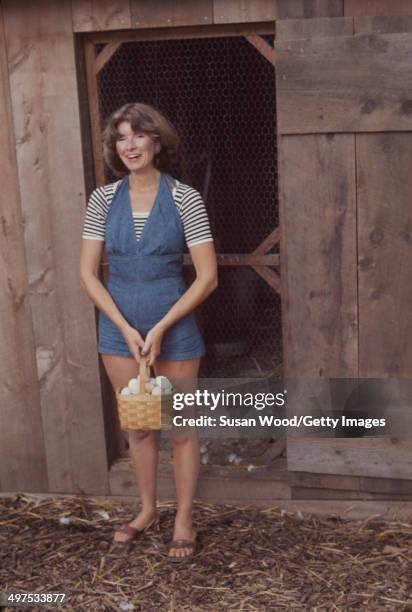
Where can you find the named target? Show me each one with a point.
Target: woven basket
(144, 411)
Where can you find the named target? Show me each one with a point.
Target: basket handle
(142, 375)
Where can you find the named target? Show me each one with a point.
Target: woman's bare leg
(143, 445)
(186, 455)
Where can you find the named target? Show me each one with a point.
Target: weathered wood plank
(383, 457)
(22, 452)
(295, 9)
(184, 32)
(106, 55)
(384, 179)
(389, 486)
(262, 47)
(46, 117)
(215, 483)
(243, 11)
(317, 194)
(168, 13)
(97, 15)
(377, 7)
(94, 111)
(319, 91)
(287, 29)
(324, 481)
(381, 25)
(338, 494)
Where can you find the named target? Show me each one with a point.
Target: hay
(249, 559)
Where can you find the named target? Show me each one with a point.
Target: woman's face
(135, 149)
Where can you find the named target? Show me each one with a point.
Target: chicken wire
(219, 93)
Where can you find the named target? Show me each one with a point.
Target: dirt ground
(248, 559)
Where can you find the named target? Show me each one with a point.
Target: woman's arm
(90, 256)
(205, 263)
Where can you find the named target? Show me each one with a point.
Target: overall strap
(171, 183)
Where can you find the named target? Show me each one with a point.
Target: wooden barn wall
(103, 15)
(23, 459)
(52, 436)
(346, 142)
(66, 400)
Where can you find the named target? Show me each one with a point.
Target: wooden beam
(263, 47)
(45, 104)
(96, 131)
(253, 260)
(268, 243)
(270, 277)
(183, 33)
(105, 55)
(22, 451)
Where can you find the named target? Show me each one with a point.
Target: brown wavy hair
(142, 118)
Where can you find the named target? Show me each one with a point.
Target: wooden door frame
(260, 259)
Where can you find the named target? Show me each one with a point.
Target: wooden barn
(296, 126)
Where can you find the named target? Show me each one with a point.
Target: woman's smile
(135, 149)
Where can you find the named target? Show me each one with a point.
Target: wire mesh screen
(219, 93)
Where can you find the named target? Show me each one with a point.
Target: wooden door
(345, 146)
(188, 75)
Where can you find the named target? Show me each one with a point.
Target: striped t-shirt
(188, 201)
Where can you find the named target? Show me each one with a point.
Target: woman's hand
(134, 341)
(152, 345)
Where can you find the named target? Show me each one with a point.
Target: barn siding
(93, 15)
(318, 92)
(22, 460)
(48, 143)
(52, 435)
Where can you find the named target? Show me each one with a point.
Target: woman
(147, 311)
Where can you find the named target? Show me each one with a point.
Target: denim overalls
(145, 276)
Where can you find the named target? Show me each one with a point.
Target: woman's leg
(143, 445)
(186, 453)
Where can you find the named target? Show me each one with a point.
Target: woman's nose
(130, 143)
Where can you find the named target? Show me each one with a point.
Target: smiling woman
(132, 123)
(146, 309)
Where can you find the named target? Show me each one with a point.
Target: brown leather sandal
(134, 533)
(192, 544)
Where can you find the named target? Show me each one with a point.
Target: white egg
(125, 391)
(152, 380)
(163, 382)
(134, 386)
(149, 387)
(157, 391)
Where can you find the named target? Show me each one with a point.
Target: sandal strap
(182, 544)
(128, 530)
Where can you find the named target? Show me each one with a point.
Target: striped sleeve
(94, 227)
(194, 215)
